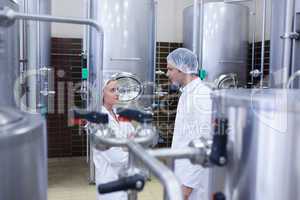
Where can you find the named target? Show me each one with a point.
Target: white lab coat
(109, 162)
(193, 120)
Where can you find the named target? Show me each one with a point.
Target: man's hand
(186, 192)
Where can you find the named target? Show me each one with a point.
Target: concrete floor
(67, 180)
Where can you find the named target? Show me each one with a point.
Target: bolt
(222, 160)
(139, 184)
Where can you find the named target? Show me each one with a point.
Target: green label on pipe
(84, 73)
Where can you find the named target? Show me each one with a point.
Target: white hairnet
(107, 77)
(184, 60)
(105, 82)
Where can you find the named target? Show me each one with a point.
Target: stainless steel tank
(35, 55)
(9, 59)
(129, 36)
(279, 71)
(225, 39)
(129, 45)
(263, 146)
(23, 156)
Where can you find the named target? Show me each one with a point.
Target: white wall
(169, 17)
(67, 8)
(168, 30)
(259, 10)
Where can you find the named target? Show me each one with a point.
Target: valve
(218, 155)
(219, 196)
(255, 73)
(212, 151)
(139, 116)
(94, 117)
(135, 182)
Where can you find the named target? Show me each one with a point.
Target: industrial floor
(67, 180)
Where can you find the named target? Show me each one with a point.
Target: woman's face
(110, 96)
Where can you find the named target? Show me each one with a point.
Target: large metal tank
(129, 45)
(9, 59)
(129, 37)
(263, 144)
(23, 156)
(35, 55)
(279, 74)
(225, 39)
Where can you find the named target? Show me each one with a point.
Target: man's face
(174, 74)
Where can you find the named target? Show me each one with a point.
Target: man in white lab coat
(193, 120)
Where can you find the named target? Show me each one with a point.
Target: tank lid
(9, 115)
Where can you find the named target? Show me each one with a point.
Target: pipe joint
(292, 35)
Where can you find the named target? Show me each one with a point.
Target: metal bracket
(292, 35)
(47, 93)
(255, 73)
(45, 69)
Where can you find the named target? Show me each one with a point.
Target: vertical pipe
(85, 45)
(170, 162)
(200, 49)
(92, 171)
(155, 2)
(85, 48)
(132, 195)
(263, 43)
(163, 173)
(195, 26)
(293, 57)
(253, 39)
(287, 41)
(40, 76)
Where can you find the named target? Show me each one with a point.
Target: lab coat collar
(111, 118)
(191, 85)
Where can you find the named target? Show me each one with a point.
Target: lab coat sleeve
(190, 175)
(193, 121)
(116, 156)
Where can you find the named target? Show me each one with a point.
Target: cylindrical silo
(225, 39)
(129, 43)
(9, 59)
(263, 144)
(129, 36)
(35, 55)
(285, 49)
(23, 156)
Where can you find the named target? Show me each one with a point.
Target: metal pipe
(163, 173)
(132, 195)
(195, 26)
(293, 56)
(166, 153)
(201, 33)
(85, 45)
(262, 62)
(253, 41)
(90, 161)
(287, 40)
(123, 141)
(155, 38)
(9, 13)
(291, 79)
(12, 15)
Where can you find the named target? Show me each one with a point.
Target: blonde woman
(109, 162)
